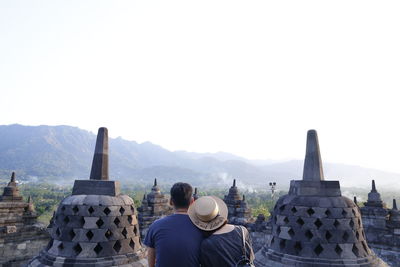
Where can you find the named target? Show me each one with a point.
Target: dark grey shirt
(225, 249)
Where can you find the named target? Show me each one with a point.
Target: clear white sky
(247, 77)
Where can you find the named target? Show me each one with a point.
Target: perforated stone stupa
(96, 225)
(155, 205)
(21, 236)
(314, 225)
(238, 211)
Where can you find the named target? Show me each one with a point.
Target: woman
(226, 244)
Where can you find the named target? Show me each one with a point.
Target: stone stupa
(96, 225)
(314, 225)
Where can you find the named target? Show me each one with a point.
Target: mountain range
(64, 153)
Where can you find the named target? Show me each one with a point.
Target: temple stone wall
(21, 236)
(155, 205)
(382, 227)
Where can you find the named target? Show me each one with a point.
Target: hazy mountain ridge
(65, 152)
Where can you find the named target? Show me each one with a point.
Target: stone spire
(195, 195)
(100, 158)
(373, 187)
(313, 164)
(374, 198)
(234, 183)
(394, 216)
(11, 191)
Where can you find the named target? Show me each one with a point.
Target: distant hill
(64, 153)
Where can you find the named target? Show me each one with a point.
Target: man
(174, 240)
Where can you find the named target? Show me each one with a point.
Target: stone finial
(355, 200)
(373, 186)
(234, 183)
(144, 196)
(394, 204)
(155, 181)
(100, 159)
(244, 198)
(195, 190)
(30, 200)
(312, 163)
(12, 180)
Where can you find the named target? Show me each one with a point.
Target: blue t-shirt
(176, 240)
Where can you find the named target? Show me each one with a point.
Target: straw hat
(208, 213)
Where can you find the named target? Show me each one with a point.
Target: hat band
(209, 217)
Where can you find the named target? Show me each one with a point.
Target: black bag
(245, 261)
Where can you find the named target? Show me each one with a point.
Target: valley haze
(63, 153)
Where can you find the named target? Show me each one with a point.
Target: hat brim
(214, 223)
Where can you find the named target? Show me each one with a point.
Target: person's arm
(151, 256)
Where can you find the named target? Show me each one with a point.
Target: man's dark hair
(181, 194)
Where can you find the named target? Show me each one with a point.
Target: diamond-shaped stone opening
(50, 244)
(338, 250)
(355, 251)
(58, 232)
(75, 209)
(108, 234)
(135, 230)
(77, 248)
(291, 232)
(122, 210)
(318, 223)
(309, 234)
(351, 223)
(72, 234)
(282, 208)
(328, 235)
(133, 209)
(117, 246)
(90, 210)
(130, 219)
(278, 230)
(345, 236)
(66, 219)
(294, 210)
(61, 246)
(318, 249)
(82, 221)
(98, 248)
(344, 213)
(282, 244)
(357, 235)
(124, 232)
(99, 222)
(300, 221)
(328, 213)
(286, 220)
(132, 244)
(310, 211)
(298, 247)
(89, 235)
(364, 244)
(117, 221)
(107, 211)
(336, 223)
